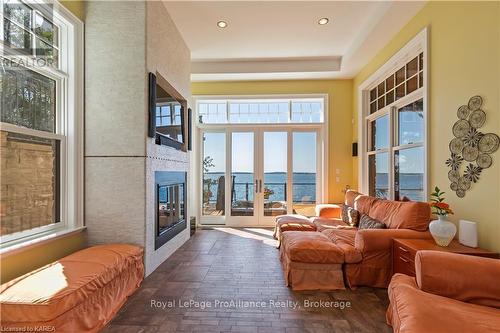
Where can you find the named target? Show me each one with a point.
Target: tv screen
(166, 115)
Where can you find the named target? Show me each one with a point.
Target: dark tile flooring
(241, 265)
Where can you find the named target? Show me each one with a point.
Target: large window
(394, 158)
(40, 102)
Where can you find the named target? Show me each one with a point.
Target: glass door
(305, 172)
(250, 176)
(276, 183)
(243, 183)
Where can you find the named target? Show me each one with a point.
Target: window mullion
(392, 138)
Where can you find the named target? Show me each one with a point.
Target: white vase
(442, 230)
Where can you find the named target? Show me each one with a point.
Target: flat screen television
(167, 114)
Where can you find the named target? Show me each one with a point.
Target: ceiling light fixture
(323, 21)
(222, 24)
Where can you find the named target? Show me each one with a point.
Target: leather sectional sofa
(451, 293)
(364, 254)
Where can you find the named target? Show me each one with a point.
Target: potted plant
(441, 229)
(267, 193)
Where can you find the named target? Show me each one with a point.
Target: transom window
(404, 81)
(261, 111)
(394, 158)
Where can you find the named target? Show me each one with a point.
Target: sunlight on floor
(262, 231)
(251, 233)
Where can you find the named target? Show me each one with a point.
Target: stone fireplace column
(120, 160)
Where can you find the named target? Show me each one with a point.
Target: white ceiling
(282, 40)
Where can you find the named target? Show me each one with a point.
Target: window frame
(289, 99)
(68, 130)
(419, 44)
(322, 148)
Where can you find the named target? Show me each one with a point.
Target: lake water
(304, 188)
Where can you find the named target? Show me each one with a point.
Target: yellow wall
(17, 264)
(22, 262)
(464, 61)
(339, 113)
(76, 7)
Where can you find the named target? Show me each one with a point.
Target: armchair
(451, 293)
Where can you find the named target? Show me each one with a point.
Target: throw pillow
(366, 222)
(350, 215)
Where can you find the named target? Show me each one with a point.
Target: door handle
(260, 185)
(256, 186)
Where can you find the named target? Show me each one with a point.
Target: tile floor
(191, 291)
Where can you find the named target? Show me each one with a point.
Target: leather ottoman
(311, 261)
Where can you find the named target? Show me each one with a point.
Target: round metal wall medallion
(454, 186)
(477, 118)
(489, 143)
(484, 161)
(475, 102)
(463, 112)
(453, 176)
(470, 145)
(456, 146)
(464, 184)
(461, 128)
(470, 153)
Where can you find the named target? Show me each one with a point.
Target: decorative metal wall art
(470, 146)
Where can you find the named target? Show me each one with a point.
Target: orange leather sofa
(367, 252)
(451, 293)
(78, 293)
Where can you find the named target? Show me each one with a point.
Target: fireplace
(170, 205)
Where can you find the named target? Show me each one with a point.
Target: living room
(250, 166)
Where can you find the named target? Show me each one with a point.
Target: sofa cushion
(328, 210)
(442, 273)
(54, 289)
(366, 222)
(350, 215)
(401, 215)
(363, 203)
(344, 239)
(413, 310)
(292, 222)
(350, 197)
(311, 247)
(322, 223)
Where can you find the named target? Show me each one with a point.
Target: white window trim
(419, 43)
(227, 99)
(322, 150)
(69, 130)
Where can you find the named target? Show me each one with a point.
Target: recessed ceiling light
(323, 21)
(222, 24)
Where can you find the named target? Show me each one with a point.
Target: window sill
(24, 244)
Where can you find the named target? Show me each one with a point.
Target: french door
(251, 175)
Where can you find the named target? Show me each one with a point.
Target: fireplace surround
(170, 205)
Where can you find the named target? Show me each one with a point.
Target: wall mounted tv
(167, 114)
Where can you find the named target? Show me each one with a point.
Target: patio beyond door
(269, 172)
